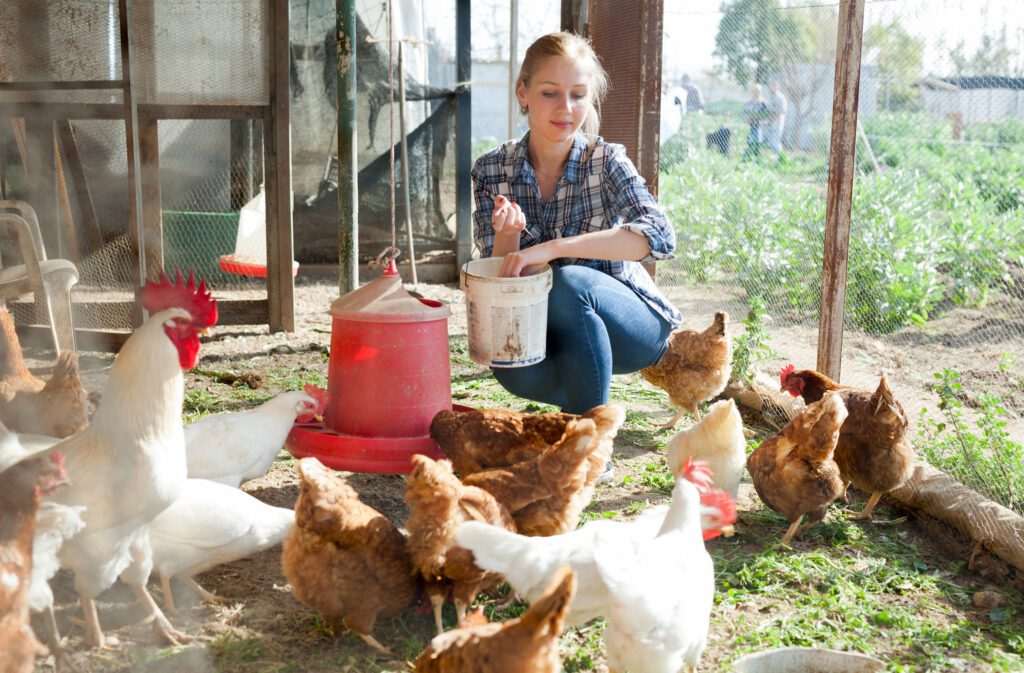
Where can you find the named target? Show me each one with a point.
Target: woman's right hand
(507, 217)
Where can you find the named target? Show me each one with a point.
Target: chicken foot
(93, 633)
(161, 625)
(794, 529)
(373, 642)
(61, 661)
(671, 423)
(207, 596)
(866, 512)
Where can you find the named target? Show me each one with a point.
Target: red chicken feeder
(388, 376)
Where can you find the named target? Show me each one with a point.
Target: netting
(936, 257)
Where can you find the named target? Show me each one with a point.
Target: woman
(560, 196)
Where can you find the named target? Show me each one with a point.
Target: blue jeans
(596, 327)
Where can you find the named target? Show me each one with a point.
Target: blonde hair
(569, 45)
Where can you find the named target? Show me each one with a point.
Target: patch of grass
(854, 589)
(582, 649)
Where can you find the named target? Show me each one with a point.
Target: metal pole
(513, 56)
(841, 169)
(463, 134)
(406, 187)
(348, 164)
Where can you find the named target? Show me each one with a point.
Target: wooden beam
(94, 316)
(116, 111)
(71, 161)
(841, 169)
(463, 134)
(41, 173)
(278, 182)
(348, 153)
(152, 207)
(136, 233)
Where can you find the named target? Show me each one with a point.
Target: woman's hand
(507, 218)
(528, 261)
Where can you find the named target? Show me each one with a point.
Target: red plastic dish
(381, 455)
(228, 264)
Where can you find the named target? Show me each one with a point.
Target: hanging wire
(392, 252)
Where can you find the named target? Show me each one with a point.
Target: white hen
(234, 525)
(234, 447)
(530, 563)
(718, 441)
(661, 592)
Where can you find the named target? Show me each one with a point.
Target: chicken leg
(93, 632)
(866, 512)
(436, 595)
(61, 661)
(671, 423)
(161, 625)
(373, 642)
(203, 594)
(165, 585)
(794, 528)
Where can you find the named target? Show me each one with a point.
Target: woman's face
(557, 99)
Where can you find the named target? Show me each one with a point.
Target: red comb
(318, 394)
(162, 295)
(726, 506)
(697, 473)
(786, 371)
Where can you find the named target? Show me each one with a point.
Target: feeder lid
(385, 299)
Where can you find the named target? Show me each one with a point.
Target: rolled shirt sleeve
(483, 197)
(640, 212)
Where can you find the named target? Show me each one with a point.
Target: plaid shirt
(599, 189)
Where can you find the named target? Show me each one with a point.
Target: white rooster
(128, 465)
(718, 441)
(234, 525)
(234, 447)
(530, 563)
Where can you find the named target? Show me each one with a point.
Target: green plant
(752, 346)
(987, 459)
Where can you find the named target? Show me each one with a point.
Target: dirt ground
(263, 628)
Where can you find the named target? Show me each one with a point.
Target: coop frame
(143, 171)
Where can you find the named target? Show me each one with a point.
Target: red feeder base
(382, 455)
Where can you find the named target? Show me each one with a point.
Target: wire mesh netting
(936, 256)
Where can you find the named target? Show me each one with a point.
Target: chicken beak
(728, 531)
(203, 332)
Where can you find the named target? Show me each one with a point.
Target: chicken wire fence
(193, 53)
(936, 255)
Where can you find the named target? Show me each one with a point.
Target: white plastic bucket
(807, 660)
(507, 317)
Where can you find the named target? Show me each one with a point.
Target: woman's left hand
(526, 262)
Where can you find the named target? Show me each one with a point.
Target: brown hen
(547, 493)
(528, 644)
(794, 472)
(56, 408)
(343, 558)
(873, 452)
(695, 368)
(488, 438)
(21, 487)
(438, 503)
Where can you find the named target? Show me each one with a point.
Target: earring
(522, 109)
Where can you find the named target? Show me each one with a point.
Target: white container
(507, 317)
(808, 660)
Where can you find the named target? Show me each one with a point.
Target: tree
(899, 57)
(758, 38)
(994, 56)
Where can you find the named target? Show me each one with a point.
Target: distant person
(673, 108)
(694, 98)
(777, 107)
(756, 113)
